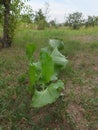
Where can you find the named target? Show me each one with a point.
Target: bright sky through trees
(60, 8)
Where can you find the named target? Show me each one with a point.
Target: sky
(59, 9)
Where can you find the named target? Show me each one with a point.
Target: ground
(77, 109)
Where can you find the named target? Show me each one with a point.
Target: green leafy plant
(45, 86)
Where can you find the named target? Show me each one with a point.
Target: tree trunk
(6, 40)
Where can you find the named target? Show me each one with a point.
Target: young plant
(45, 86)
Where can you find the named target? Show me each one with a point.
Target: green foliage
(22, 79)
(58, 58)
(32, 71)
(54, 43)
(71, 47)
(40, 20)
(1, 14)
(27, 15)
(43, 74)
(91, 20)
(9, 16)
(94, 45)
(39, 16)
(47, 96)
(52, 23)
(30, 50)
(74, 20)
(47, 65)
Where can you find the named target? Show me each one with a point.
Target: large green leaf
(47, 96)
(32, 74)
(47, 66)
(54, 43)
(32, 78)
(30, 48)
(58, 58)
(37, 65)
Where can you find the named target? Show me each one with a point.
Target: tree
(28, 15)
(96, 20)
(40, 19)
(1, 14)
(26, 18)
(74, 20)
(10, 11)
(52, 23)
(91, 20)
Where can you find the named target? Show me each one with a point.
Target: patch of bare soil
(46, 118)
(95, 63)
(87, 64)
(77, 113)
(50, 119)
(86, 39)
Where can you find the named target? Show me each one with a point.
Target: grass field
(77, 109)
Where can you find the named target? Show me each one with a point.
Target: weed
(44, 83)
(71, 47)
(94, 45)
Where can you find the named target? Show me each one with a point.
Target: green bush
(45, 86)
